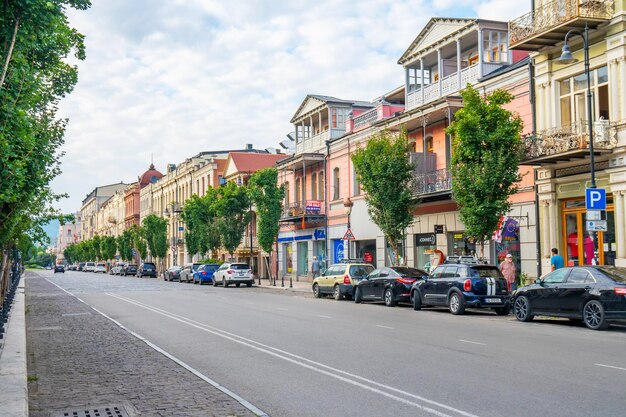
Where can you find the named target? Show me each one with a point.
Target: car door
(545, 297)
(575, 291)
(428, 288)
(220, 272)
(443, 285)
(326, 280)
(378, 284)
(366, 284)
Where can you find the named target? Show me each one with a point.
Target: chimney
(249, 146)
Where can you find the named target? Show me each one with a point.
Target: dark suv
(147, 269)
(458, 286)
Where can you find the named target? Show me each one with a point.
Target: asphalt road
(299, 356)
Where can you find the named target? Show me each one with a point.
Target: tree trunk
(8, 57)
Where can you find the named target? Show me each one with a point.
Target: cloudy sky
(175, 77)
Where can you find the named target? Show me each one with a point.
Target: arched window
(314, 186)
(286, 194)
(320, 185)
(336, 184)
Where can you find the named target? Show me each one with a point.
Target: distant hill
(52, 230)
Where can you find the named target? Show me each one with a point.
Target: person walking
(556, 261)
(315, 267)
(507, 267)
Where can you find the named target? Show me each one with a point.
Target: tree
(108, 247)
(125, 245)
(486, 152)
(96, 243)
(156, 236)
(268, 198)
(386, 175)
(233, 213)
(139, 242)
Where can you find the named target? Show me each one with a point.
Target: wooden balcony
(568, 142)
(548, 24)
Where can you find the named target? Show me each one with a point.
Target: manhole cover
(104, 411)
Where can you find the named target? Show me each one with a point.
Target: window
(320, 185)
(297, 189)
(429, 144)
(356, 186)
(495, 47)
(287, 194)
(578, 276)
(314, 186)
(450, 272)
(557, 276)
(338, 117)
(573, 99)
(336, 184)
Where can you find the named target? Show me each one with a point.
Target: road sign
(596, 226)
(134, 252)
(595, 198)
(349, 235)
(594, 214)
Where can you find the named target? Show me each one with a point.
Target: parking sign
(595, 198)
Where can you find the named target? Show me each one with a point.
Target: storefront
(366, 250)
(461, 245)
(425, 243)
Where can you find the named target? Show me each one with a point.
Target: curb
(13, 383)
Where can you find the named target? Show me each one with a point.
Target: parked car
(72, 267)
(205, 273)
(100, 267)
(89, 266)
(116, 270)
(595, 295)
(130, 269)
(147, 269)
(341, 279)
(459, 286)
(173, 273)
(59, 268)
(390, 284)
(81, 266)
(186, 274)
(233, 273)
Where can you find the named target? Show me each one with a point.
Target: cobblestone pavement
(79, 360)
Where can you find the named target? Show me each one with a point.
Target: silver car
(233, 273)
(186, 275)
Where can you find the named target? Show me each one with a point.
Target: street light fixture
(347, 207)
(567, 58)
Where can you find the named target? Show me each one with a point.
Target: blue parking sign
(595, 198)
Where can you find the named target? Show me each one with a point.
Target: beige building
(110, 216)
(92, 204)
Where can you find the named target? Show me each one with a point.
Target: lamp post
(347, 207)
(567, 58)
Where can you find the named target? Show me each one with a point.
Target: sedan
(59, 268)
(594, 295)
(173, 273)
(205, 273)
(390, 285)
(129, 270)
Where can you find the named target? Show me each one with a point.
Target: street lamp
(347, 207)
(567, 58)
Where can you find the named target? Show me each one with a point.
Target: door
(573, 291)
(581, 247)
(366, 284)
(546, 297)
(378, 284)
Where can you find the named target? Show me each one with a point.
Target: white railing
(314, 142)
(450, 84)
(366, 118)
(469, 75)
(431, 92)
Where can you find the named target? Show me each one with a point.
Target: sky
(167, 79)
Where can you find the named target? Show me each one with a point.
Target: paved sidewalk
(80, 361)
(298, 287)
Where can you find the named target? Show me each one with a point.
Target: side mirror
(538, 281)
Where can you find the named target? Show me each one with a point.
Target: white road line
(76, 314)
(609, 366)
(324, 317)
(282, 309)
(299, 360)
(474, 343)
(385, 327)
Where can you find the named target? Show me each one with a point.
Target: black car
(173, 273)
(594, 294)
(130, 269)
(147, 269)
(459, 286)
(59, 268)
(391, 285)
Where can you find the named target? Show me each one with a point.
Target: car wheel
(358, 296)
(593, 316)
(238, 285)
(389, 299)
(503, 311)
(521, 309)
(417, 301)
(337, 293)
(316, 291)
(248, 284)
(224, 283)
(456, 304)
(214, 282)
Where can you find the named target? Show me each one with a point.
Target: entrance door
(578, 244)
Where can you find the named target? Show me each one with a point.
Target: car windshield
(101, 265)
(148, 266)
(211, 267)
(409, 272)
(616, 273)
(176, 268)
(491, 272)
(239, 266)
(361, 270)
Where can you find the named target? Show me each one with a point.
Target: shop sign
(367, 256)
(319, 234)
(439, 229)
(313, 206)
(425, 239)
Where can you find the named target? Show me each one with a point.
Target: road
(293, 355)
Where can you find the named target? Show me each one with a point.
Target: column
(407, 87)
(552, 225)
(319, 120)
(422, 80)
(440, 70)
(620, 232)
(614, 90)
(480, 53)
(541, 124)
(458, 62)
(311, 132)
(622, 82)
(545, 228)
(547, 107)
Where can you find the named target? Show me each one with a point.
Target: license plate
(241, 274)
(492, 300)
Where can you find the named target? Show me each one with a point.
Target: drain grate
(104, 411)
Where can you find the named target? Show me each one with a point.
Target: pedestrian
(507, 267)
(315, 267)
(556, 261)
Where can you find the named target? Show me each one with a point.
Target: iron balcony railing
(574, 136)
(555, 14)
(433, 182)
(366, 118)
(301, 209)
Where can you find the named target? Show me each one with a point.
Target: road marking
(76, 314)
(384, 327)
(474, 343)
(324, 317)
(282, 309)
(304, 362)
(609, 366)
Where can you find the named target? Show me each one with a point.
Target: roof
(327, 100)
(250, 162)
(149, 176)
(507, 68)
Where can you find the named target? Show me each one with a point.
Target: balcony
(317, 142)
(433, 183)
(568, 142)
(311, 211)
(548, 24)
(365, 119)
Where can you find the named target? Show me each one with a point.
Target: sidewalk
(297, 287)
(81, 362)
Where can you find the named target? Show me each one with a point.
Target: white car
(100, 267)
(233, 273)
(89, 267)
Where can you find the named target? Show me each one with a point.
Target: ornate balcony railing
(555, 14)
(433, 182)
(366, 118)
(568, 138)
(301, 209)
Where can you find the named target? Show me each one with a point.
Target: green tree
(96, 244)
(139, 241)
(156, 236)
(233, 213)
(486, 152)
(109, 247)
(202, 233)
(268, 198)
(386, 175)
(125, 245)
